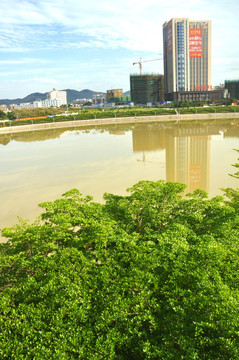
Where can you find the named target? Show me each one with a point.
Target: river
(41, 165)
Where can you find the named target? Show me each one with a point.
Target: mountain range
(71, 95)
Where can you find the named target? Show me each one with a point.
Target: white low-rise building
(99, 98)
(81, 101)
(54, 98)
(38, 104)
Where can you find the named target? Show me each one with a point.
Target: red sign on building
(204, 87)
(195, 43)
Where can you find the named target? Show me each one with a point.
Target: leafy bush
(150, 275)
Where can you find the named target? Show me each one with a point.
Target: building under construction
(113, 93)
(117, 96)
(146, 88)
(233, 88)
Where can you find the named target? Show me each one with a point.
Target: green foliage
(11, 115)
(149, 275)
(148, 208)
(236, 175)
(99, 113)
(3, 115)
(22, 113)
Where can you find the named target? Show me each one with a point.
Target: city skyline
(69, 45)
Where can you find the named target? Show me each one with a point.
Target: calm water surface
(42, 165)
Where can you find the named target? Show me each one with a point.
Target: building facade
(37, 104)
(119, 100)
(187, 56)
(114, 93)
(233, 88)
(202, 95)
(81, 101)
(3, 107)
(146, 88)
(99, 99)
(58, 95)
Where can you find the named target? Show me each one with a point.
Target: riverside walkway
(120, 120)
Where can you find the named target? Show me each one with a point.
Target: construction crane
(140, 63)
(148, 161)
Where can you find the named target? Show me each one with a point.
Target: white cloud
(23, 61)
(128, 24)
(89, 33)
(18, 49)
(134, 25)
(36, 79)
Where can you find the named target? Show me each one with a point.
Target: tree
(11, 116)
(3, 115)
(149, 275)
(233, 194)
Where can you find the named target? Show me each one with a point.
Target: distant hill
(83, 94)
(71, 95)
(28, 98)
(126, 93)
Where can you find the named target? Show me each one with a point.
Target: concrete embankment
(120, 120)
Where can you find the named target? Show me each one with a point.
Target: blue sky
(73, 44)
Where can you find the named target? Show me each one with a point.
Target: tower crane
(140, 63)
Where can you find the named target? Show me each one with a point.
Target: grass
(100, 113)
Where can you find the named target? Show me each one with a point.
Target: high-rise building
(233, 88)
(188, 158)
(187, 56)
(58, 95)
(146, 88)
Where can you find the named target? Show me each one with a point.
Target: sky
(76, 44)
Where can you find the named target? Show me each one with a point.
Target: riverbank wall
(120, 120)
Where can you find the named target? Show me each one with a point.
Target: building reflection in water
(186, 146)
(188, 160)
(187, 151)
